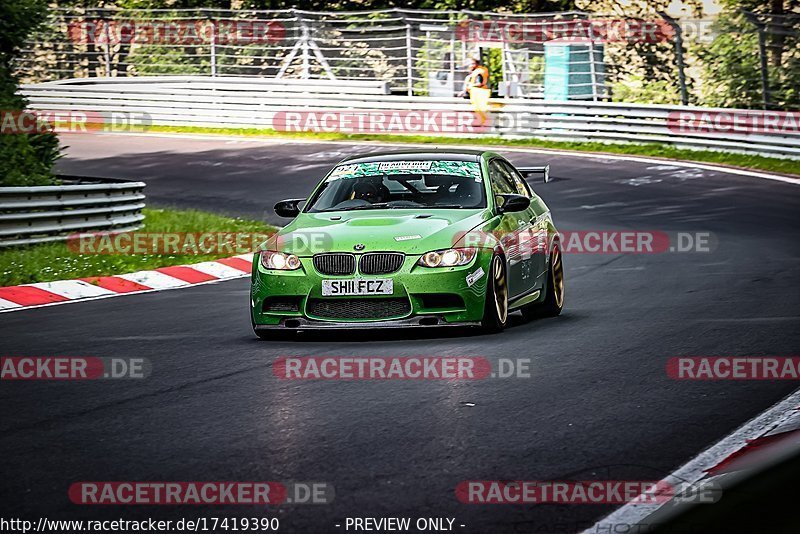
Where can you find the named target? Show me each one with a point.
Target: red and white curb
(780, 423)
(15, 298)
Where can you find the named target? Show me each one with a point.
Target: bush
(639, 90)
(24, 159)
(27, 160)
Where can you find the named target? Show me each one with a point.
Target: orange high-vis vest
(472, 79)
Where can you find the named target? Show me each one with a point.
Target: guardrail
(232, 102)
(234, 83)
(42, 214)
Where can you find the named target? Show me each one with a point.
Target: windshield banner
(451, 168)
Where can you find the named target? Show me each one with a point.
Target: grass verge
(55, 261)
(747, 161)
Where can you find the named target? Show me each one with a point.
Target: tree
(731, 63)
(642, 70)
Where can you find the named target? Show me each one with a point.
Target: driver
(371, 191)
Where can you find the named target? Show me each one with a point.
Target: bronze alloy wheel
(557, 272)
(553, 300)
(500, 289)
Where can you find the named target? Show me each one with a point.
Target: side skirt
(524, 299)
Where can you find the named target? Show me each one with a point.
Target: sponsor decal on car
(474, 277)
(405, 165)
(407, 237)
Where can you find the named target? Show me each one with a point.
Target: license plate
(358, 286)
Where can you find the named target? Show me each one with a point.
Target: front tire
(553, 301)
(495, 311)
(260, 335)
(264, 336)
(274, 335)
(270, 335)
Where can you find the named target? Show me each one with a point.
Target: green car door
(514, 230)
(535, 242)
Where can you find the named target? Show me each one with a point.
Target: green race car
(411, 238)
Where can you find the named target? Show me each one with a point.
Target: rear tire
(495, 310)
(553, 301)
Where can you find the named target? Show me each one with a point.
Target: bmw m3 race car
(411, 238)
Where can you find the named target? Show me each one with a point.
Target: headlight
(451, 257)
(279, 261)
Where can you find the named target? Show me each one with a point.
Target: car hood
(410, 232)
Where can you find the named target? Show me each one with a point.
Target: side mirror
(289, 207)
(543, 171)
(511, 203)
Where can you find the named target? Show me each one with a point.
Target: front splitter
(302, 323)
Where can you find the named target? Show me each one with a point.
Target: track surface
(598, 406)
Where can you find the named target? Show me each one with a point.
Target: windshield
(401, 185)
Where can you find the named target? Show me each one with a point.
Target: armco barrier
(42, 214)
(253, 103)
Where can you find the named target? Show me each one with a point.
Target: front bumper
(421, 321)
(420, 286)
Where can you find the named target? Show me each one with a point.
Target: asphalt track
(599, 403)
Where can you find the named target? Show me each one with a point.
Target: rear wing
(544, 172)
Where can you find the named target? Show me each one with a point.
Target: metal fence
(330, 106)
(44, 214)
(555, 56)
